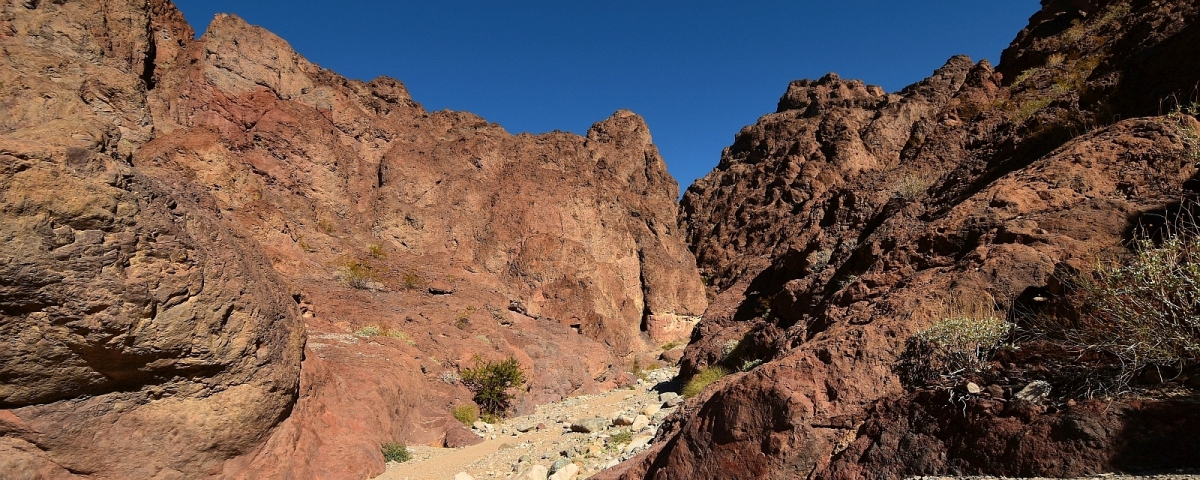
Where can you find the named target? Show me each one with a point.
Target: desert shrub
(491, 381)
(817, 261)
(403, 337)
(411, 280)
(464, 318)
(670, 346)
(467, 414)
(963, 340)
(376, 251)
(622, 437)
(1143, 310)
(396, 452)
(356, 274)
(911, 187)
(369, 331)
(1030, 107)
(703, 379)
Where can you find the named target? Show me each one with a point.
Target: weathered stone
(589, 425)
(1035, 392)
(639, 422)
(567, 472)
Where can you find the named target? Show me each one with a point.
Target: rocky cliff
(220, 259)
(850, 219)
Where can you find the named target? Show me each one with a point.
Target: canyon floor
(507, 451)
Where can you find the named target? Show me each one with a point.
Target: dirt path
(508, 451)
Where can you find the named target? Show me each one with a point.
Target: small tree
(490, 382)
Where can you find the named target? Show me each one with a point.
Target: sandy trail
(496, 458)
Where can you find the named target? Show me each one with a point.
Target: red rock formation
(842, 224)
(175, 208)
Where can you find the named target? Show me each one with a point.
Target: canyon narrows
(220, 260)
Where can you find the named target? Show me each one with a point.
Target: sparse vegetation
(463, 319)
(703, 379)
(1141, 311)
(396, 452)
(357, 274)
(670, 346)
(491, 381)
(304, 245)
(622, 437)
(963, 340)
(376, 251)
(911, 187)
(325, 226)
(411, 280)
(404, 337)
(1187, 130)
(818, 260)
(369, 331)
(467, 414)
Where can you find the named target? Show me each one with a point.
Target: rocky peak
(828, 91)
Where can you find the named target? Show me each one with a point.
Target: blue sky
(698, 70)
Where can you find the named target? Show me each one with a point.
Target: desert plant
(467, 414)
(817, 261)
(464, 318)
(396, 452)
(670, 346)
(403, 337)
(964, 339)
(622, 437)
(356, 274)
(369, 331)
(491, 381)
(911, 187)
(411, 280)
(376, 251)
(1143, 310)
(703, 379)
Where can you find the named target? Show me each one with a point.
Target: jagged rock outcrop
(837, 229)
(178, 212)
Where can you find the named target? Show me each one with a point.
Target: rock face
(848, 220)
(129, 309)
(178, 212)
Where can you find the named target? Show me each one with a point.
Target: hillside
(845, 225)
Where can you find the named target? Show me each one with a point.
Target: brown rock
(169, 199)
(837, 226)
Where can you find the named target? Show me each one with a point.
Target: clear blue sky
(697, 70)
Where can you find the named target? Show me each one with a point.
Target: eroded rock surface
(178, 212)
(844, 223)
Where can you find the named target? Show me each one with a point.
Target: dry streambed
(571, 439)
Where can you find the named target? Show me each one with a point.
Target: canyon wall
(850, 219)
(198, 233)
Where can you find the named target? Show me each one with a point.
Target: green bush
(396, 452)
(467, 414)
(621, 438)
(964, 340)
(490, 382)
(703, 379)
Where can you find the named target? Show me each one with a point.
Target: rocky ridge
(216, 241)
(850, 219)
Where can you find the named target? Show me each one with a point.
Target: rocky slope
(223, 260)
(850, 219)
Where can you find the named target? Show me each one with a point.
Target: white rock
(651, 409)
(567, 472)
(638, 442)
(536, 472)
(479, 425)
(463, 476)
(623, 420)
(639, 423)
